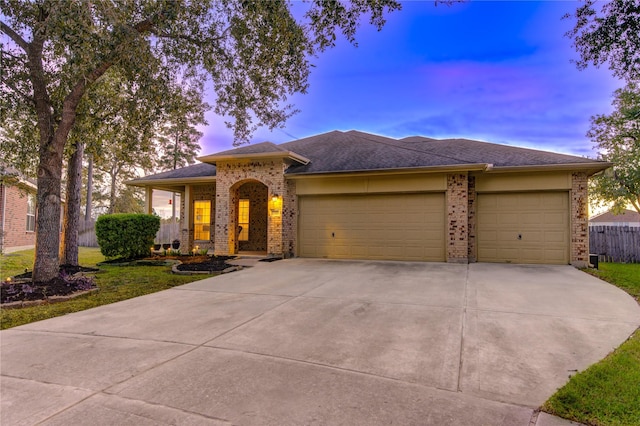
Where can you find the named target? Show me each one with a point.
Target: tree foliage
(256, 54)
(617, 137)
(610, 35)
(178, 138)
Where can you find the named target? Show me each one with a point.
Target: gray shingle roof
(338, 151)
(259, 148)
(196, 170)
(625, 216)
(353, 151)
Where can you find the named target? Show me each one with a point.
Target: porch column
(186, 218)
(148, 200)
(221, 227)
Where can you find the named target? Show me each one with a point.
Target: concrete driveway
(301, 341)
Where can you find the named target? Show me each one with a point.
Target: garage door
(523, 227)
(386, 227)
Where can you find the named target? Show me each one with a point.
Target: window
(201, 220)
(243, 220)
(31, 213)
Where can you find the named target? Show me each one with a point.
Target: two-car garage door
(373, 226)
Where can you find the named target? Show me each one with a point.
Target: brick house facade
(378, 197)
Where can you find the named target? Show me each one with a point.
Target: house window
(201, 220)
(243, 220)
(31, 213)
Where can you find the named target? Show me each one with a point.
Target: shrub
(126, 235)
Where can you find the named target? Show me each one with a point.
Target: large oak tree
(256, 53)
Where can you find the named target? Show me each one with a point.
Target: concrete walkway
(300, 341)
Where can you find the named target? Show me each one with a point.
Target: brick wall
(15, 232)
(230, 176)
(579, 220)
(457, 218)
(472, 197)
(290, 220)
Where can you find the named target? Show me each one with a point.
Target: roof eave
(395, 171)
(284, 155)
(590, 168)
(171, 181)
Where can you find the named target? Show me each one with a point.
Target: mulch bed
(23, 289)
(204, 263)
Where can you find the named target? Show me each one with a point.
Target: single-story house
(17, 210)
(626, 218)
(354, 195)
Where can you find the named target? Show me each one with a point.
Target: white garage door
(385, 226)
(523, 227)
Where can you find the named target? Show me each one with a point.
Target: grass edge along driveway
(116, 283)
(607, 393)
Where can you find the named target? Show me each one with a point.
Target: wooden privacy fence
(615, 243)
(87, 233)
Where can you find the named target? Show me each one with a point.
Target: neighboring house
(17, 210)
(353, 195)
(626, 218)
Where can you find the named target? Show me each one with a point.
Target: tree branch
(14, 36)
(190, 39)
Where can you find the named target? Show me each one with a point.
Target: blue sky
(496, 71)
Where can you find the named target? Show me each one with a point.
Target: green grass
(116, 283)
(607, 393)
(623, 275)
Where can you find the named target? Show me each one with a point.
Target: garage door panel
(381, 226)
(540, 219)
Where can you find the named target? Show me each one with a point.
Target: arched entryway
(249, 217)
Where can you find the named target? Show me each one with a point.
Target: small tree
(126, 235)
(617, 137)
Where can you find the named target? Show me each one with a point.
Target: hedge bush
(126, 235)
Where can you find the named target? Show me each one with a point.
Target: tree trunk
(46, 265)
(70, 240)
(112, 193)
(89, 207)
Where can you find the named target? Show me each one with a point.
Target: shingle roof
(259, 148)
(338, 151)
(626, 216)
(196, 170)
(352, 151)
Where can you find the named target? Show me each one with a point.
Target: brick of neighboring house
(13, 217)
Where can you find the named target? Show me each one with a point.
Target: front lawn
(607, 393)
(116, 283)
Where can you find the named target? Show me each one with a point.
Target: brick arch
(230, 176)
(258, 194)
